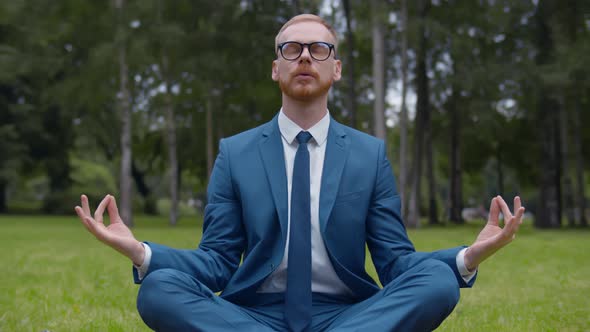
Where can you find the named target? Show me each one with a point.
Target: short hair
(307, 18)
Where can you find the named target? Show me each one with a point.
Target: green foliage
(184, 210)
(59, 83)
(92, 178)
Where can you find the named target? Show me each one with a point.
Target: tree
(167, 76)
(350, 64)
(421, 126)
(549, 207)
(403, 118)
(378, 69)
(124, 107)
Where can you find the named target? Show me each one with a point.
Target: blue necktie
(298, 294)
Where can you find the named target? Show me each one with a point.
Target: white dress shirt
(323, 277)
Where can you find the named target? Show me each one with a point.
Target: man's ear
(275, 70)
(337, 70)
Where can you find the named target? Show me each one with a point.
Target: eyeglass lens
(318, 50)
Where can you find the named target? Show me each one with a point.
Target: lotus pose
(292, 205)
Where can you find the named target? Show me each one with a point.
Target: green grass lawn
(55, 276)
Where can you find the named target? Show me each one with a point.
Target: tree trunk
(429, 154)
(568, 197)
(149, 206)
(432, 206)
(350, 65)
(403, 119)
(173, 164)
(125, 205)
(378, 70)
(423, 102)
(209, 139)
(456, 180)
(549, 213)
(499, 170)
(580, 197)
(413, 220)
(422, 121)
(57, 166)
(171, 142)
(3, 187)
(573, 22)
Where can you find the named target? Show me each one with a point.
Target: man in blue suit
(291, 206)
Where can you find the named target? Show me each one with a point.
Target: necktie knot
(303, 137)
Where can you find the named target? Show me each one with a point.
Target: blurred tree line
(475, 98)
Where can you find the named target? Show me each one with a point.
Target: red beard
(304, 89)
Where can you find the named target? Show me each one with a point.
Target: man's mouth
(304, 74)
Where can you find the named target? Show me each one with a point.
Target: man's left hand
(492, 237)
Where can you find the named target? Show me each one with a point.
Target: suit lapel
(337, 149)
(272, 153)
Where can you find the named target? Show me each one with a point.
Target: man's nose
(305, 55)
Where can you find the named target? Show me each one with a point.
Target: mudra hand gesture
(116, 235)
(492, 237)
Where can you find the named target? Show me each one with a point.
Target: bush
(184, 210)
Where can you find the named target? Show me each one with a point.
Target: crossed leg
(418, 300)
(170, 300)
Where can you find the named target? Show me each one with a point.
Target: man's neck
(305, 113)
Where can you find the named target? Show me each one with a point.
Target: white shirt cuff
(143, 268)
(465, 273)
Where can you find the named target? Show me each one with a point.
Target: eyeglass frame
(331, 48)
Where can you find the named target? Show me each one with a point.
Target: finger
(86, 221)
(113, 211)
(519, 215)
(517, 204)
(100, 209)
(515, 222)
(79, 212)
(85, 205)
(97, 229)
(505, 209)
(494, 212)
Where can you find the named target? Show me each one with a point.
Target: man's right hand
(116, 235)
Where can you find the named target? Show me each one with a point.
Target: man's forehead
(306, 31)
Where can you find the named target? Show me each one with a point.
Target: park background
(474, 99)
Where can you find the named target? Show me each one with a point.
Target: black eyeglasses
(291, 50)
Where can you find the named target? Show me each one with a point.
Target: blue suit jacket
(246, 216)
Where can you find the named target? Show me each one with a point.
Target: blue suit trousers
(419, 299)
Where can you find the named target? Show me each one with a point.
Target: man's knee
(441, 284)
(160, 293)
(152, 293)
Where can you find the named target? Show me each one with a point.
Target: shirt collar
(290, 129)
